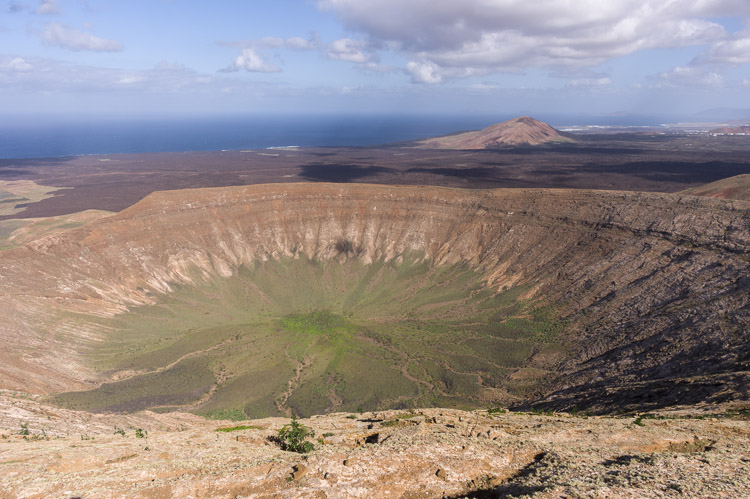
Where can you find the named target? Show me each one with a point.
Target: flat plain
(653, 162)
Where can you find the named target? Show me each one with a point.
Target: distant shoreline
(40, 137)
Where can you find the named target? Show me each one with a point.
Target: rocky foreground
(50, 452)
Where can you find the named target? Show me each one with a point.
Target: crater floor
(310, 336)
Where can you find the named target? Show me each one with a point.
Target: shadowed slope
(652, 288)
(737, 187)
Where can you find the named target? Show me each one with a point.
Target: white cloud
(48, 7)
(346, 49)
(424, 72)
(292, 43)
(590, 82)
(484, 86)
(706, 69)
(690, 76)
(49, 76)
(376, 67)
(299, 43)
(249, 60)
(130, 80)
(73, 39)
(17, 65)
(449, 39)
(727, 52)
(167, 66)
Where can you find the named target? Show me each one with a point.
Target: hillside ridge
(522, 130)
(737, 187)
(732, 130)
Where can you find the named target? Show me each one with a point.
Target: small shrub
(119, 431)
(542, 412)
(639, 421)
(140, 433)
(24, 429)
(496, 410)
(230, 414)
(238, 428)
(400, 417)
(293, 437)
(694, 446)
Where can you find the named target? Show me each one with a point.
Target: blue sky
(415, 56)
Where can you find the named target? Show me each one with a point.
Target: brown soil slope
(737, 187)
(518, 131)
(654, 287)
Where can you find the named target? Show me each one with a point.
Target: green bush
(293, 437)
(238, 428)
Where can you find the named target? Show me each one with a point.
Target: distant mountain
(518, 131)
(718, 114)
(737, 187)
(733, 130)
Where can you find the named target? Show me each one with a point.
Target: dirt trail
(131, 373)
(292, 385)
(404, 367)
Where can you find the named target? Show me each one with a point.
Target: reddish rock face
(654, 286)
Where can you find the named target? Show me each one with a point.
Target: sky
(173, 57)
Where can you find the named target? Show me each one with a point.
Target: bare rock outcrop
(50, 452)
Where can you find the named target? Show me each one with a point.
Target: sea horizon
(63, 136)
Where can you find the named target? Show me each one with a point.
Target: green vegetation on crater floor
(306, 336)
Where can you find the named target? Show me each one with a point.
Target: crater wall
(654, 287)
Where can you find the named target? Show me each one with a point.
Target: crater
(311, 298)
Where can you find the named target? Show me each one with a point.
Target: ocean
(43, 137)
